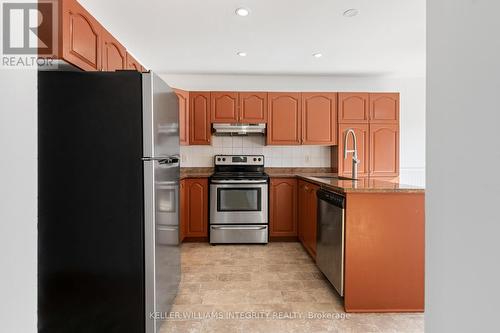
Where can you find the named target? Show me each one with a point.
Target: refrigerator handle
(163, 160)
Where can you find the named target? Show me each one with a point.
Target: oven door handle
(240, 228)
(259, 181)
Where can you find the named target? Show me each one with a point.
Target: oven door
(238, 202)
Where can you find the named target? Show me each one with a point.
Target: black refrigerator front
(93, 242)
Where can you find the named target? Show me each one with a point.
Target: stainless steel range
(239, 200)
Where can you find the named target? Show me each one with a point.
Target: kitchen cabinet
(132, 63)
(384, 150)
(362, 138)
(195, 207)
(183, 210)
(284, 119)
(113, 53)
(353, 108)
(183, 116)
(81, 37)
(253, 107)
(319, 118)
(307, 215)
(283, 207)
(199, 118)
(224, 107)
(384, 108)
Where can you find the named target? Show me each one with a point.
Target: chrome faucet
(355, 160)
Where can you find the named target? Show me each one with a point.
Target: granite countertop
(364, 185)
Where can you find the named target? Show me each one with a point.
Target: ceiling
(279, 36)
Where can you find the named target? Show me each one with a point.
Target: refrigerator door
(90, 202)
(161, 198)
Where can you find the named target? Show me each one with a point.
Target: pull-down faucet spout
(355, 160)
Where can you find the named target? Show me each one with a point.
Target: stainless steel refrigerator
(108, 201)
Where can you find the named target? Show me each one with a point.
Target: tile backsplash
(275, 156)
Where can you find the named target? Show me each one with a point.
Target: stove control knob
(260, 159)
(254, 159)
(223, 159)
(218, 159)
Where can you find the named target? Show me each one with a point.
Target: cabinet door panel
(253, 107)
(283, 214)
(132, 63)
(81, 37)
(197, 212)
(183, 116)
(384, 150)
(353, 107)
(284, 119)
(224, 107)
(199, 118)
(302, 210)
(312, 219)
(384, 108)
(362, 136)
(183, 210)
(319, 118)
(113, 53)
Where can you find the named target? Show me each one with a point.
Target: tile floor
(272, 288)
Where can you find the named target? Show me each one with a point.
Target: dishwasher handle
(332, 198)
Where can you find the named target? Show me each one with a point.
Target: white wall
(18, 201)
(412, 123)
(463, 154)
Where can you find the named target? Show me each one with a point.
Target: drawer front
(229, 234)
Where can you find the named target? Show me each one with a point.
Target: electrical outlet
(183, 158)
(307, 159)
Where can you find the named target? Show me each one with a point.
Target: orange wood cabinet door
(319, 118)
(183, 116)
(132, 63)
(384, 150)
(284, 119)
(199, 118)
(362, 136)
(283, 207)
(353, 107)
(182, 210)
(312, 203)
(113, 53)
(384, 108)
(302, 210)
(224, 107)
(253, 107)
(81, 37)
(197, 207)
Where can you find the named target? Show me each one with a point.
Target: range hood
(239, 129)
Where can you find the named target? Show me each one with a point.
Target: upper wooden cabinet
(199, 118)
(319, 118)
(253, 107)
(353, 107)
(384, 108)
(224, 107)
(384, 150)
(81, 37)
(284, 119)
(132, 64)
(113, 53)
(283, 207)
(183, 116)
(362, 140)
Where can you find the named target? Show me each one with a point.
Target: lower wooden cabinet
(283, 207)
(307, 215)
(194, 207)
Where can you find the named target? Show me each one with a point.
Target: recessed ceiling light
(317, 55)
(351, 12)
(241, 54)
(242, 12)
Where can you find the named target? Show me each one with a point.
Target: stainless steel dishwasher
(330, 237)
